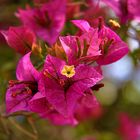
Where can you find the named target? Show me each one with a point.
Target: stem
(30, 120)
(6, 129)
(22, 129)
(40, 65)
(17, 114)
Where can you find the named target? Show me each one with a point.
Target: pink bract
(125, 9)
(20, 91)
(111, 46)
(88, 108)
(20, 39)
(62, 92)
(82, 48)
(46, 21)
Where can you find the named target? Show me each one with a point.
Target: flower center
(68, 71)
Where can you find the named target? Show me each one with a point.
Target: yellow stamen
(68, 71)
(114, 23)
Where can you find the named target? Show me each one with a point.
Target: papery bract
(63, 92)
(93, 11)
(125, 9)
(20, 39)
(20, 91)
(46, 21)
(82, 25)
(111, 46)
(88, 108)
(134, 8)
(60, 94)
(70, 46)
(20, 103)
(25, 70)
(83, 48)
(90, 41)
(40, 105)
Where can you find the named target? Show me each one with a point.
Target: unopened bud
(114, 23)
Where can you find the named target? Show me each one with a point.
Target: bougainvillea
(20, 38)
(62, 88)
(22, 90)
(46, 20)
(71, 71)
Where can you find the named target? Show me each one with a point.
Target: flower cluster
(63, 89)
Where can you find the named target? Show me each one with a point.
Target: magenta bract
(82, 48)
(125, 9)
(20, 39)
(111, 46)
(88, 107)
(40, 105)
(20, 91)
(63, 92)
(46, 21)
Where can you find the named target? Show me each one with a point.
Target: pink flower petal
(19, 102)
(81, 24)
(38, 103)
(25, 70)
(20, 39)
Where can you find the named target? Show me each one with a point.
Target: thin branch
(22, 129)
(6, 129)
(17, 114)
(31, 122)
